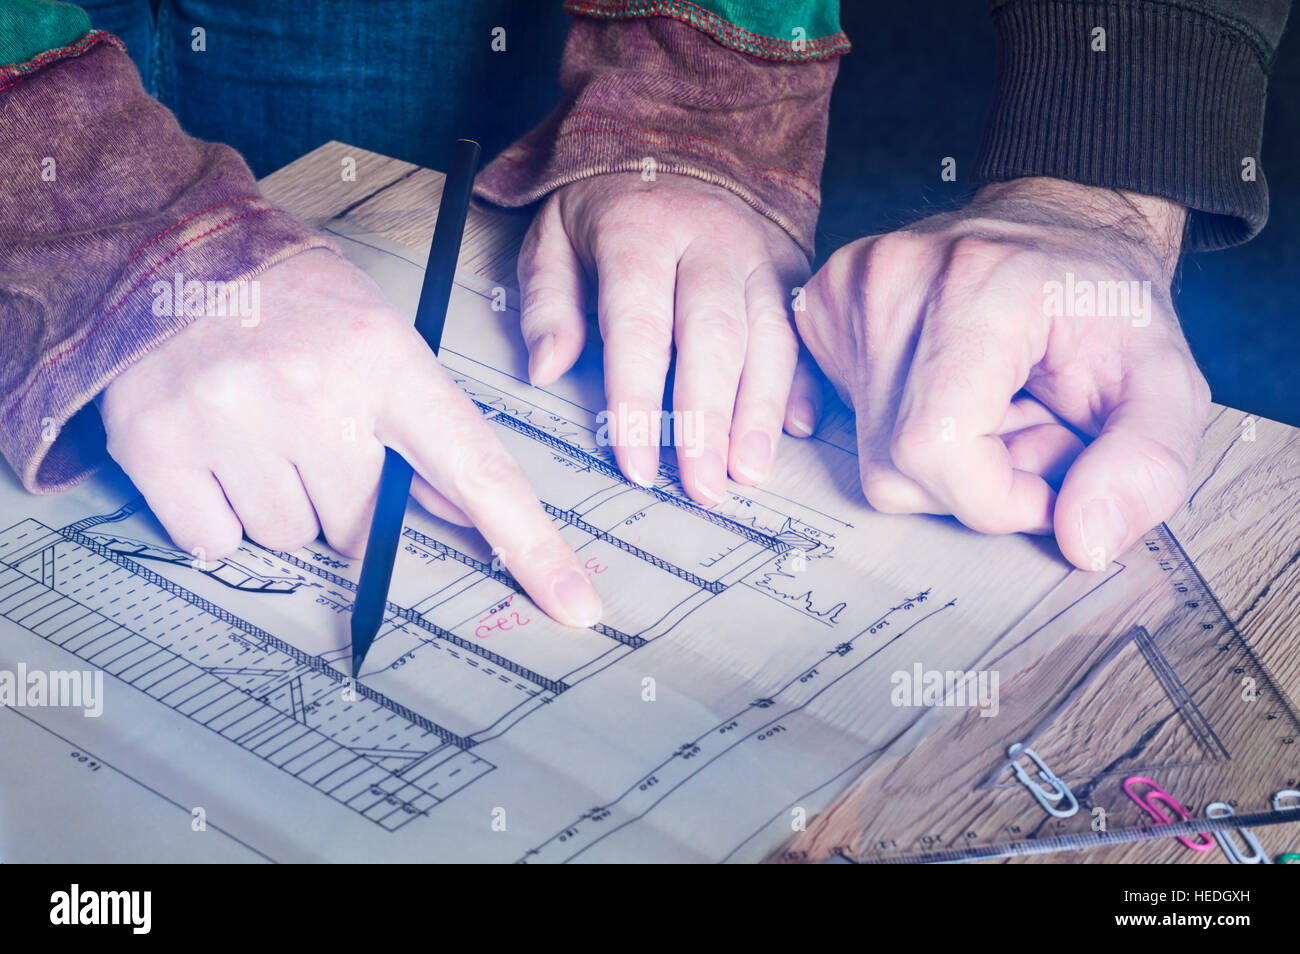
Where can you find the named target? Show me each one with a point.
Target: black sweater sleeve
(1167, 101)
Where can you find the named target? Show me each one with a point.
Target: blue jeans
(402, 77)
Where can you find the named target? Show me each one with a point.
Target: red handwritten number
(596, 567)
(501, 623)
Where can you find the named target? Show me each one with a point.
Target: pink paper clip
(1158, 794)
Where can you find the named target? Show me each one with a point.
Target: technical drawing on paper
(740, 674)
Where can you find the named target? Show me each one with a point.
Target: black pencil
(395, 482)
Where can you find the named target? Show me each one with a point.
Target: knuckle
(282, 533)
(465, 431)
(297, 371)
(213, 542)
(147, 435)
(486, 474)
(846, 266)
(770, 329)
(884, 491)
(623, 225)
(711, 424)
(547, 558)
(532, 250)
(977, 252)
(976, 262)
(894, 253)
(918, 449)
(226, 383)
(1159, 474)
(890, 263)
(1076, 379)
(989, 521)
(348, 535)
(772, 319)
(645, 332)
(350, 544)
(540, 299)
(782, 352)
(770, 405)
(719, 337)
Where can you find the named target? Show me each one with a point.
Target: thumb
(1136, 473)
(551, 295)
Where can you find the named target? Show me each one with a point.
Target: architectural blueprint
(740, 678)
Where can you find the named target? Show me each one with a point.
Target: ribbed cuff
(1172, 107)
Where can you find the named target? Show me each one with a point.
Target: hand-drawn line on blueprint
(652, 788)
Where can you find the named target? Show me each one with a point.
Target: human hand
(964, 346)
(278, 429)
(675, 260)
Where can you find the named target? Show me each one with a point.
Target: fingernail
(801, 418)
(578, 599)
(1104, 531)
(642, 465)
(539, 356)
(754, 456)
(710, 476)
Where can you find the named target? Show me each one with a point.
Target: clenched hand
(977, 346)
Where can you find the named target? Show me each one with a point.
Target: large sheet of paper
(744, 672)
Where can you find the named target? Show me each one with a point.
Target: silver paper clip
(1047, 797)
(1278, 797)
(1230, 848)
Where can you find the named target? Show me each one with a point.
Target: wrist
(1151, 221)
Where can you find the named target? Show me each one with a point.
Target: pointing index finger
(434, 425)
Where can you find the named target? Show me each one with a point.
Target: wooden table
(1241, 523)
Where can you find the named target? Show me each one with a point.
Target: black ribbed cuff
(1171, 108)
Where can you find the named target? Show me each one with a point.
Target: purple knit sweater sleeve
(655, 94)
(105, 199)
